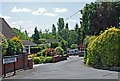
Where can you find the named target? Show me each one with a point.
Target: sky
(42, 15)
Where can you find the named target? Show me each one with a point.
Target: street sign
(9, 60)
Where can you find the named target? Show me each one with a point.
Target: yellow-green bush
(31, 56)
(105, 49)
(87, 40)
(36, 60)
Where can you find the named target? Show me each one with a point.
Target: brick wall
(22, 63)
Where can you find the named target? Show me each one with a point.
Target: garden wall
(22, 63)
(58, 58)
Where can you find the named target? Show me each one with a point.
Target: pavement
(73, 68)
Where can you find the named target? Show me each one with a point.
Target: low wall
(58, 58)
(22, 63)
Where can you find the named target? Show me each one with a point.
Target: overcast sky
(40, 14)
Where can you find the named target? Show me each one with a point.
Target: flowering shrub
(105, 49)
(49, 52)
(18, 43)
(3, 44)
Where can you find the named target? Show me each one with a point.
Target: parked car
(73, 52)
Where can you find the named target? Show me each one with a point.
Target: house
(27, 44)
(7, 31)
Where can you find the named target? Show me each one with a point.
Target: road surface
(73, 68)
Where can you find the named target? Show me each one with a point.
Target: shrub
(49, 52)
(39, 54)
(18, 43)
(42, 59)
(54, 44)
(42, 46)
(105, 49)
(63, 44)
(36, 60)
(73, 46)
(31, 56)
(43, 41)
(59, 50)
(87, 40)
(3, 44)
(48, 59)
(11, 50)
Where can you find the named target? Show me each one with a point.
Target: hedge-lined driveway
(73, 68)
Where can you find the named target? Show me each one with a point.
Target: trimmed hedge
(104, 50)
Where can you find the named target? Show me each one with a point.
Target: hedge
(104, 50)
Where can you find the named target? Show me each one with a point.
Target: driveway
(73, 68)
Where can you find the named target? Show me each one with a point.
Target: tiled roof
(28, 43)
(6, 29)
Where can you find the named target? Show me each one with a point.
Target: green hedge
(42, 59)
(104, 50)
(87, 40)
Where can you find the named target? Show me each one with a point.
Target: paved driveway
(73, 68)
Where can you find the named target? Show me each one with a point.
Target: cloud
(5, 17)
(16, 10)
(50, 14)
(71, 20)
(43, 11)
(62, 10)
(40, 11)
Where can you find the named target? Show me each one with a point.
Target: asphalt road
(73, 68)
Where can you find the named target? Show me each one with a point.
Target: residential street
(73, 68)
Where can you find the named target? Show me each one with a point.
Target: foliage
(54, 44)
(88, 40)
(3, 44)
(43, 41)
(73, 46)
(31, 56)
(63, 44)
(53, 29)
(48, 59)
(104, 50)
(59, 50)
(11, 50)
(49, 52)
(21, 35)
(42, 46)
(96, 17)
(36, 36)
(36, 60)
(18, 44)
(60, 24)
(39, 54)
(72, 38)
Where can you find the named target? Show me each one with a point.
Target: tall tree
(36, 35)
(60, 24)
(76, 27)
(26, 33)
(98, 16)
(53, 29)
(65, 32)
